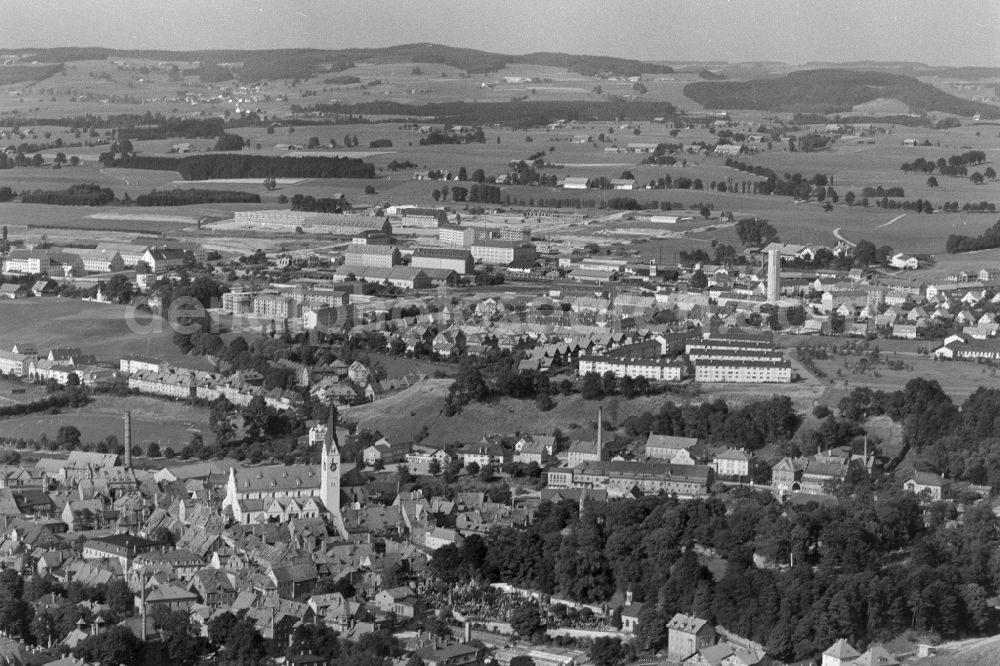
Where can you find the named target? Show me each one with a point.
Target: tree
(606, 651)
(864, 253)
(243, 644)
(74, 160)
(591, 387)
(990, 173)
(462, 174)
(255, 418)
(526, 620)
(119, 597)
(932, 182)
(153, 450)
(436, 195)
(68, 437)
(116, 645)
(314, 639)
(976, 178)
(434, 468)
(698, 280)
(229, 142)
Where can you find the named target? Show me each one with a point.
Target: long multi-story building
(733, 354)
(462, 236)
(12, 363)
(27, 261)
(502, 253)
(426, 218)
(333, 223)
(375, 256)
(654, 369)
(619, 478)
(274, 306)
(130, 254)
(101, 261)
(743, 372)
(163, 259)
(237, 302)
(460, 261)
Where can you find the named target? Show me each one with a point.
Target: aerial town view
(433, 333)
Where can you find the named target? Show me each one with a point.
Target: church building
(277, 493)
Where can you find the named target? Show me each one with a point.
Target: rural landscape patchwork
(421, 355)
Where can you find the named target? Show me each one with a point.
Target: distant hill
(709, 75)
(831, 91)
(301, 63)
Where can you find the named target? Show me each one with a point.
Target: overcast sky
(938, 32)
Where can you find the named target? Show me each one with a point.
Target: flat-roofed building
(237, 302)
(503, 253)
(274, 306)
(462, 236)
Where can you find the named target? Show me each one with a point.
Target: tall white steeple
(329, 491)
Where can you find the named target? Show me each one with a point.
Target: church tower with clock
(330, 470)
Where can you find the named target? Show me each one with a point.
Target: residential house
(926, 484)
(686, 635)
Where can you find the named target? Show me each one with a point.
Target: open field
(169, 424)
(8, 386)
(959, 379)
(102, 329)
(422, 406)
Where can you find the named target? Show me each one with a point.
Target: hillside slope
(299, 63)
(831, 91)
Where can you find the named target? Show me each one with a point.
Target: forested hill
(301, 63)
(830, 91)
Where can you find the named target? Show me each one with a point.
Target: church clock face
(333, 466)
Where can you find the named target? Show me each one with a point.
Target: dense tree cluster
(238, 165)
(879, 192)
(436, 137)
(755, 232)
(830, 91)
(751, 426)
(986, 240)
(847, 578)
(519, 115)
(194, 196)
(228, 141)
(952, 166)
(87, 194)
(957, 441)
(310, 204)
